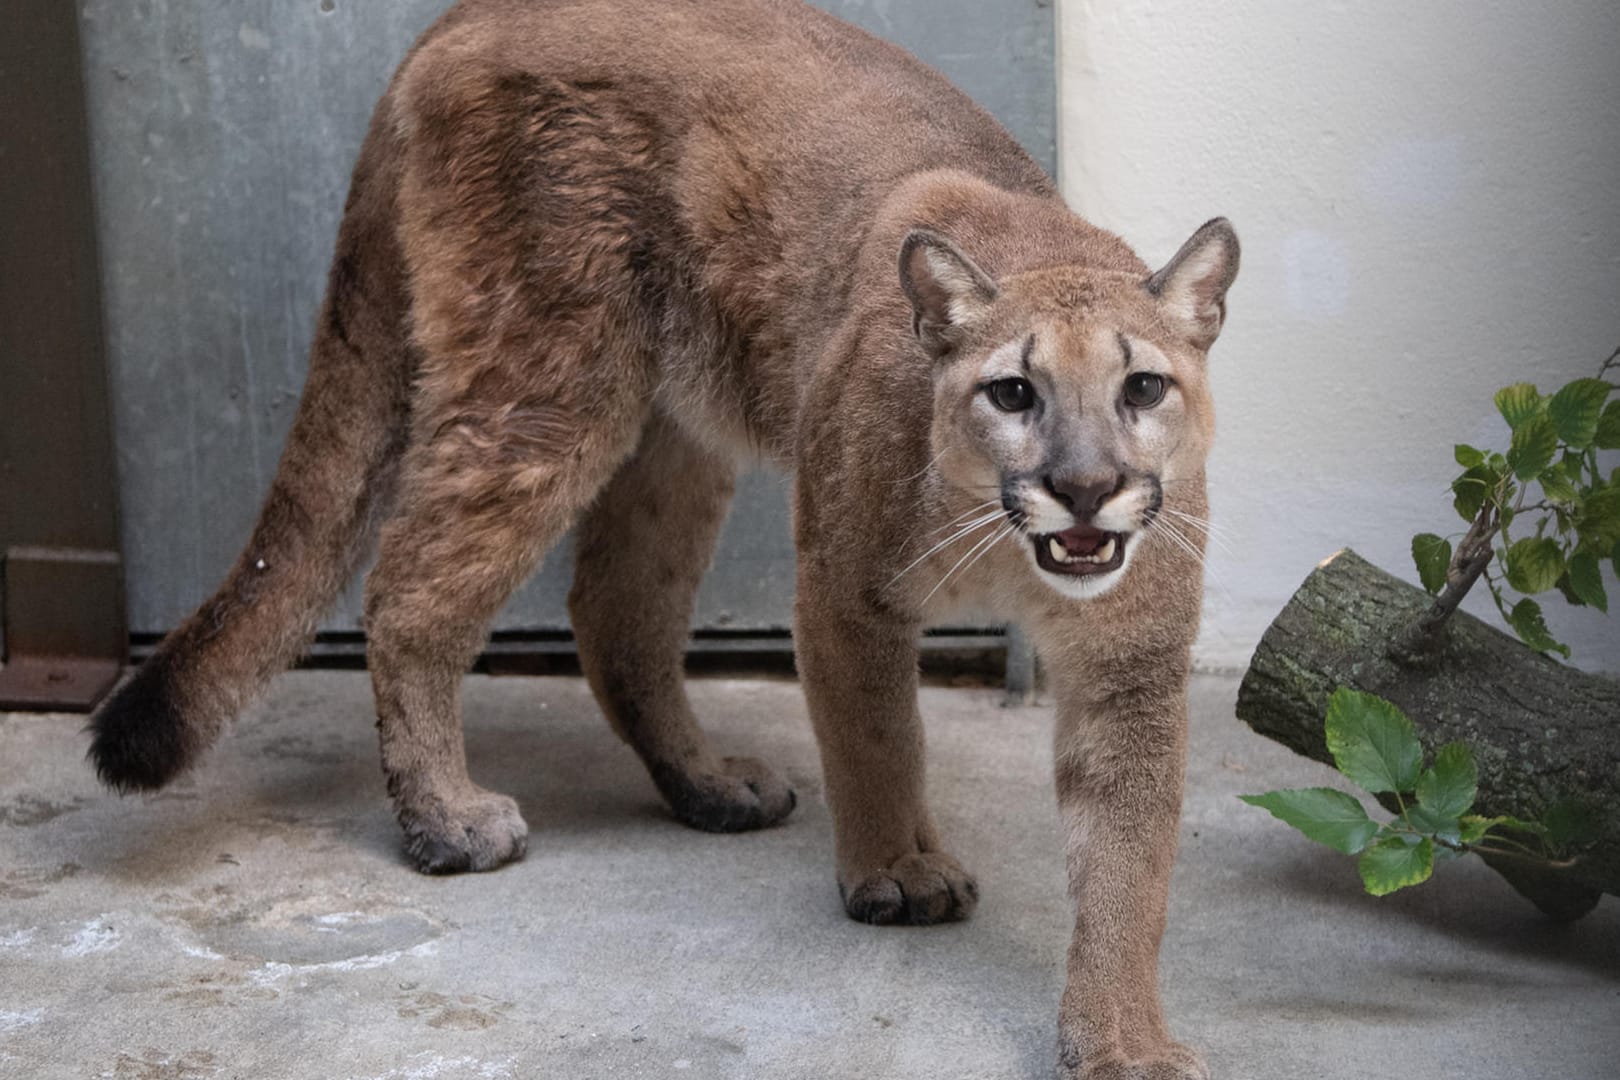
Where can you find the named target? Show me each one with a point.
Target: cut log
(1540, 731)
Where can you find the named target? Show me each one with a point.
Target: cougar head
(1076, 396)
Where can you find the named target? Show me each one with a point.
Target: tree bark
(1540, 731)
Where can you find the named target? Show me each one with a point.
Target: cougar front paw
(1170, 1062)
(745, 794)
(921, 888)
(473, 830)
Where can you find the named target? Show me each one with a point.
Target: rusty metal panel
(65, 637)
(62, 634)
(223, 135)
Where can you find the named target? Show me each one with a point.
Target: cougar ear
(947, 289)
(1192, 286)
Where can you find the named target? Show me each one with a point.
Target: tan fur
(594, 253)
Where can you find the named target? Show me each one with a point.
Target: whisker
(949, 540)
(1217, 535)
(975, 523)
(1163, 540)
(1213, 535)
(924, 469)
(975, 548)
(1011, 528)
(1170, 533)
(1167, 540)
(1204, 523)
(966, 515)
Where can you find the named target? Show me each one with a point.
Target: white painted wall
(1428, 196)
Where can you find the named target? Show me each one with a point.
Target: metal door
(223, 132)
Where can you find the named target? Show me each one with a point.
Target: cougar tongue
(1081, 540)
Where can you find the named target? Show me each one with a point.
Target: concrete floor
(258, 919)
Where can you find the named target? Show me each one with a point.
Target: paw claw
(745, 794)
(1173, 1062)
(920, 889)
(474, 831)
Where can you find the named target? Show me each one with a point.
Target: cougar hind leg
(641, 552)
(531, 287)
(481, 503)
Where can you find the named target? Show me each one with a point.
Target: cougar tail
(330, 488)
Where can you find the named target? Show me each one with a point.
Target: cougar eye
(1012, 395)
(1143, 389)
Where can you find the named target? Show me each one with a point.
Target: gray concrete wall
(223, 136)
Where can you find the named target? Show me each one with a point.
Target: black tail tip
(139, 737)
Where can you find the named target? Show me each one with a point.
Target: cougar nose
(1083, 496)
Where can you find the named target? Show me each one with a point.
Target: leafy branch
(1564, 535)
(1374, 746)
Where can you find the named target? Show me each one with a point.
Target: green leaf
(1481, 484)
(1471, 489)
(1534, 564)
(1449, 788)
(1528, 622)
(1534, 444)
(1576, 409)
(1586, 580)
(1507, 821)
(1569, 590)
(1444, 827)
(1432, 554)
(1556, 485)
(1326, 815)
(1372, 741)
(1607, 436)
(1598, 521)
(1569, 824)
(1518, 403)
(1468, 457)
(1394, 864)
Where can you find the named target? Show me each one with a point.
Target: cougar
(595, 254)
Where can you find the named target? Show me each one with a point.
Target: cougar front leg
(859, 671)
(1121, 757)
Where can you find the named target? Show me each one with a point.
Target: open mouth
(1080, 551)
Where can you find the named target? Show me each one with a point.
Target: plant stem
(1525, 848)
(1522, 852)
(1505, 853)
(1472, 556)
